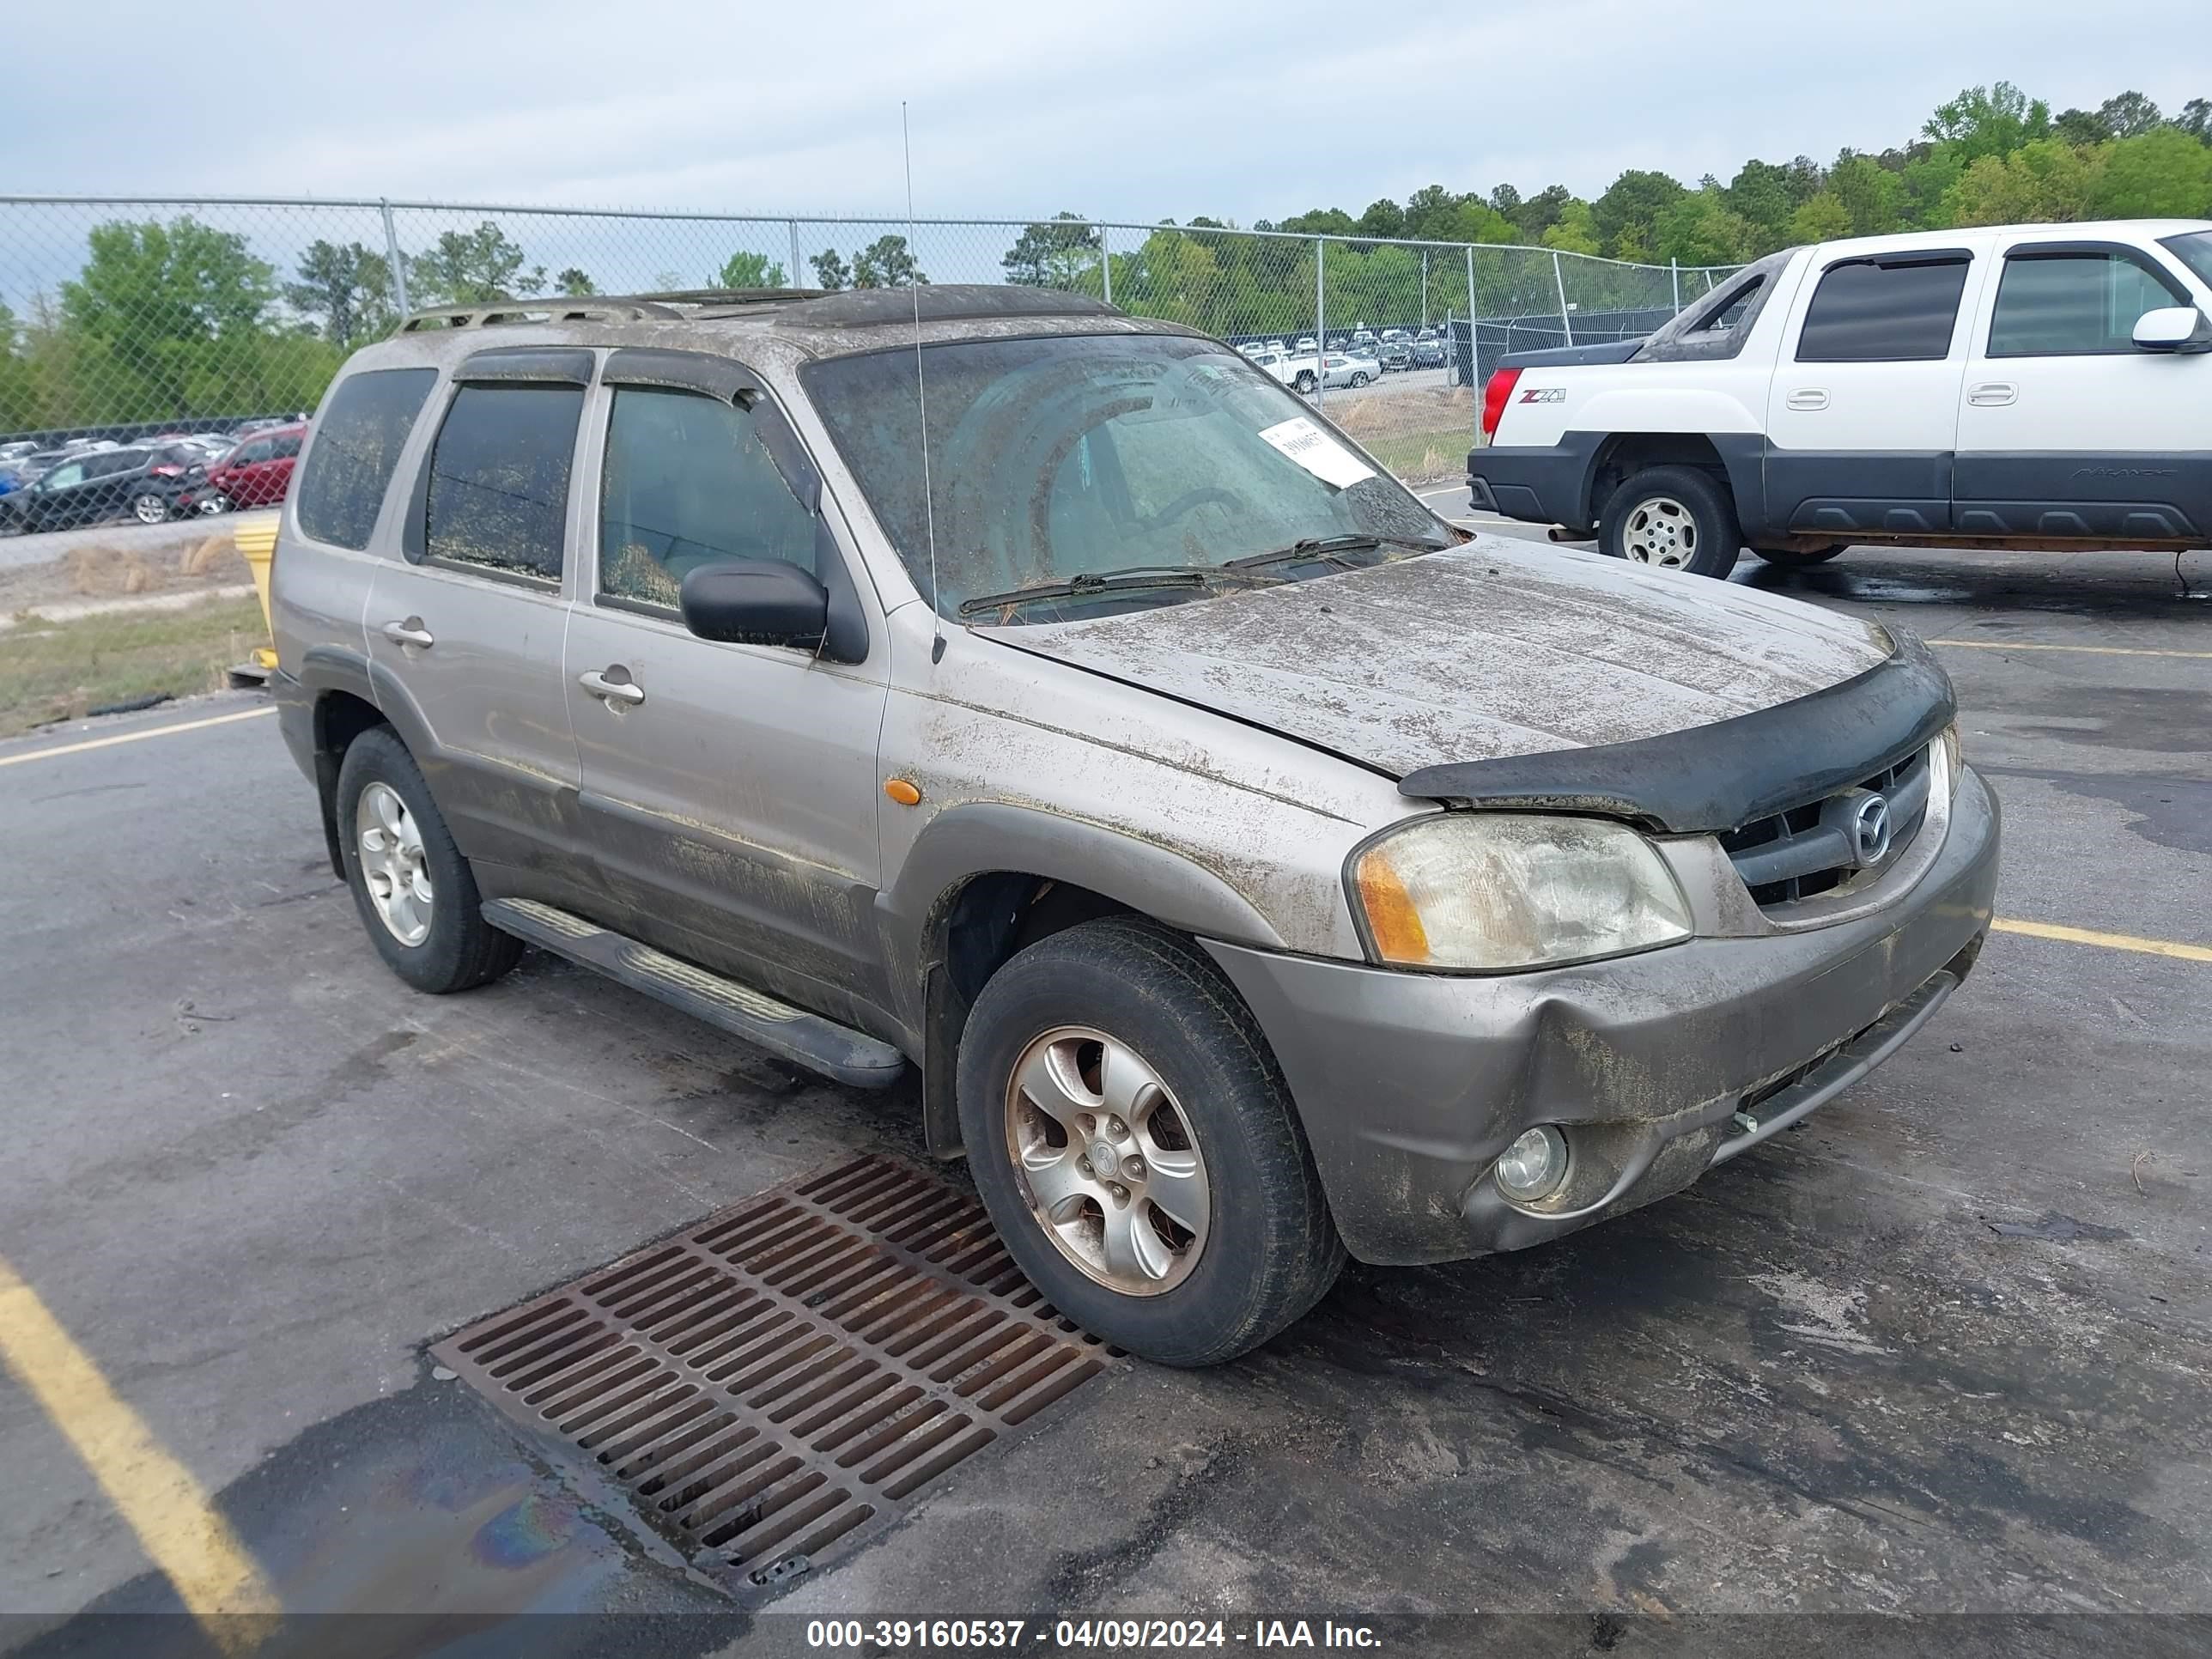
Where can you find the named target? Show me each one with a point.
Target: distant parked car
(97, 485)
(12, 452)
(1306, 344)
(257, 473)
(1396, 356)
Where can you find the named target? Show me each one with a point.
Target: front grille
(1809, 850)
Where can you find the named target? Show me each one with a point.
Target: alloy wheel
(393, 865)
(1108, 1162)
(149, 508)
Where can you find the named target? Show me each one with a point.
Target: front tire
(1116, 1046)
(150, 508)
(1673, 517)
(415, 894)
(1358, 380)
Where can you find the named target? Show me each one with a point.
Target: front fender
(980, 838)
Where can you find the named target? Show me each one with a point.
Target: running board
(804, 1039)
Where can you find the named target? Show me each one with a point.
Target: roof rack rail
(493, 313)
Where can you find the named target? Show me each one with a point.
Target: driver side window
(688, 481)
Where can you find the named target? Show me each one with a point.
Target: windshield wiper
(1327, 547)
(1129, 578)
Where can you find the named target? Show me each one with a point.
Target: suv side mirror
(756, 602)
(2173, 328)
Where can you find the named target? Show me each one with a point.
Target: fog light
(1533, 1166)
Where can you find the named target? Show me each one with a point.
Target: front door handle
(1809, 397)
(1992, 393)
(625, 691)
(410, 632)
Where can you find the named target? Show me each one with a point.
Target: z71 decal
(1545, 394)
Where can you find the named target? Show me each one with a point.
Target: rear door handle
(410, 632)
(625, 690)
(1992, 393)
(1809, 397)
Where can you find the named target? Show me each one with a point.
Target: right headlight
(1490, 893)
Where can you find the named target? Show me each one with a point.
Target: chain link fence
(123, 319)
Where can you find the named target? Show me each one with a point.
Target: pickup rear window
(1897, 311)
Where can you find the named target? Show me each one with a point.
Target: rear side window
(498, 494)
(1893, 312)
(689, 481)
(2067, 304)
(286, 447)
(259, 450)
(357, 450)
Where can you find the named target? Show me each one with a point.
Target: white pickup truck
(2019, 386)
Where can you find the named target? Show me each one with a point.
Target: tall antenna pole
(922, 397)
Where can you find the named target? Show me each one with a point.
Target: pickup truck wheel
(414, 890)
(1792, 558)
(1304, 383)
(1676, 518)
(1133, 1137)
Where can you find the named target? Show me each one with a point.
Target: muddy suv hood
(1493, 648)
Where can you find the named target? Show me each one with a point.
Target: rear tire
(1793, 559)
(1120, 992)
(1304, 383)
(150, 508)
(1672, 518)
(1357, 381)
(457, 949)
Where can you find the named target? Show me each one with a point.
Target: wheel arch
(1731, 463)
(985, 880)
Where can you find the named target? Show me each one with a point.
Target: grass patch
(1421, 457)
(58, 670)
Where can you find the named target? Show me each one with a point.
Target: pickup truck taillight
(1494, 394)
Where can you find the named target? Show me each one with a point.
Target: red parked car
(257, 473)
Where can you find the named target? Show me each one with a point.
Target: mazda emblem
(1870, 829)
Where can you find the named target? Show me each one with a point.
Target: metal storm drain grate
(777, 1383)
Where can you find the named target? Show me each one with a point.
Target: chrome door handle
(410, 632)
(1992, 393)
(1809, 398)
(626, 691)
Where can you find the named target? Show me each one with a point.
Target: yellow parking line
(134, 737)
(179, 1529)
(2152, 947)
(2093, 650)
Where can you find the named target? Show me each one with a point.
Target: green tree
(1638, 198)
(2130, 115)
(1822, 218)
(2196, 119)
(2163, 173)
(1703, 229)
(349, 288)
(1871, 195)
(1056, 253)
(1540, 212)
(473, 267)
(1764, 197)
(830, 271)
(2047, 181)
(164, 321)
(885, 262)
(1925, 181)
(1383, 218)
(1575, 231)
(575, 280)
(742, 270)
(2080, 127)
(1993, 120)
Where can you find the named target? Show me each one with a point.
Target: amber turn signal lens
(1391, 918)
(902, 792)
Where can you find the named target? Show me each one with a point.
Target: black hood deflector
(1710, 778)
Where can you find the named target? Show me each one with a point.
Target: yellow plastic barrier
(256, 540)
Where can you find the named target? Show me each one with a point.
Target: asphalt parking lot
(1945, 1349)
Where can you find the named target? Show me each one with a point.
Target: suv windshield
(1076, 455)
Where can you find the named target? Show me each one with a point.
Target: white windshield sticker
(1319, 454)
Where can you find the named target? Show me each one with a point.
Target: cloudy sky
(1171, 108)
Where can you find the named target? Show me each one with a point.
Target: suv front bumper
(1410, 1085)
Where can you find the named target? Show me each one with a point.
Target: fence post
(797, 280)
(398, 259)
(1674, 268)
(1566, 323)
(1320, 322)
(1425, 288)
(1106, 263)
